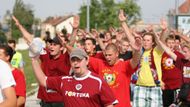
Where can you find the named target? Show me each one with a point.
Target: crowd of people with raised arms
(121, 67)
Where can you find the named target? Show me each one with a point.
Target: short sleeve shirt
(17, 60)
(53, 67)
(89, 91)
(145, 77)
(117, 76)
(171, 75)
(6, 78)
(20, 87)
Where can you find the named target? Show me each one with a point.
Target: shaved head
(112, 46)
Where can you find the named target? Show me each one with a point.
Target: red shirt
(88, 91)
(53, 67)
(99, 55)
(171, 75)
(20, 87)
(184, 65)
(117, 76)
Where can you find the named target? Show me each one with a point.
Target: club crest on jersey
(146, 59)
(110, 77)
(168, 63)
(78, 86)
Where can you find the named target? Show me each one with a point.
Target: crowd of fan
(120, 67)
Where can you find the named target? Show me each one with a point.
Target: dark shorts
(50, 104)
(169, 97)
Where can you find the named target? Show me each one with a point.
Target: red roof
(185, 7)
(56, 20)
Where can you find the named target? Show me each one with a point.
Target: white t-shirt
(6, 78)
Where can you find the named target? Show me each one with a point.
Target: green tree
(94, 10)
(131, 9)
(3, 38)
(25, 15)
(104, 13)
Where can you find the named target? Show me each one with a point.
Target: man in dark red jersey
(53, 63)
(181, 62)
(171, 75)
(84, 88)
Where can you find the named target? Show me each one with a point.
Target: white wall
(65, 24)
(51, 29)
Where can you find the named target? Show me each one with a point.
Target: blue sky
(152, 10)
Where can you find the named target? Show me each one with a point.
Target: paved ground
(32, 101)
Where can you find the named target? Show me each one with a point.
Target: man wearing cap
(51, 60)
(84, 88)
(53, 63)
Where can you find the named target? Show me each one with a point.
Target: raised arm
(75, 26)
(184, 37)
(162, 46)
(122, 19)
(96, 36)
(135, 41)
(164, 30)
(40, 76)
(64, 43)
(26, 35)
(137, 47)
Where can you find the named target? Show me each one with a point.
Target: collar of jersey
(82, 78)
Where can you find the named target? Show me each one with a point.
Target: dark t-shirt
(126, 56)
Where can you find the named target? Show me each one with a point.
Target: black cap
(55, 40)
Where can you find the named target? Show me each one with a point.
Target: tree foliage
(3, 38)
(25, 15)
(104, 13)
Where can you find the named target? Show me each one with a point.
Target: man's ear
(117, 53)
(7, 58)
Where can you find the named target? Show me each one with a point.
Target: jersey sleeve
(53, 84)
(106, 95)
(94, 64)
(20, 87)
(6, 77)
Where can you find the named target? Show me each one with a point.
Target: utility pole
(176, 12)
(176, 6)
(88, 16)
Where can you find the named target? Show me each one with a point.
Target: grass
(30, 78)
